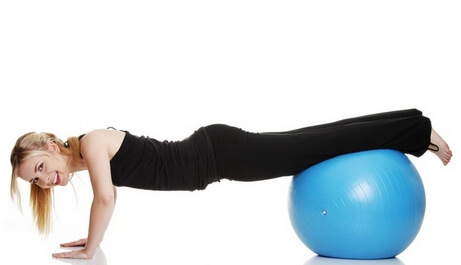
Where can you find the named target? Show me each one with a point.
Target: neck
(75, 165)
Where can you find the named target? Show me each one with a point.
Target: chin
(64, 182)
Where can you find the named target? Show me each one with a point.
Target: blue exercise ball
(364, 205)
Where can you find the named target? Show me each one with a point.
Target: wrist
(88, 252)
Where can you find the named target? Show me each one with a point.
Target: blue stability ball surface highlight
(364, 205)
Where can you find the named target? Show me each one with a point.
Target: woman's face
(45, 171)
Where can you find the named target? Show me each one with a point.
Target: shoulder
(100, 140)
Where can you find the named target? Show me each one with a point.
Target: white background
(165, 68)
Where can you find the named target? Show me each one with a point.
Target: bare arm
(94, 151)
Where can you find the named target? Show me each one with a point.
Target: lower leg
(365, 118)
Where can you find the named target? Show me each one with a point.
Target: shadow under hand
(98, 259)
(317, 260)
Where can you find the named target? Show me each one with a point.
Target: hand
(78, 243)
(74, 254)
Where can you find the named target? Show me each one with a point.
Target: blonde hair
(36, 144)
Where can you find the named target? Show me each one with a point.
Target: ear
(52, 146)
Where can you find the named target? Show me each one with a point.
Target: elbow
(105, 200)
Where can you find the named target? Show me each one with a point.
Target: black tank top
(145, 163)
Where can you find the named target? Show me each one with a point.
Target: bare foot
(440, 148)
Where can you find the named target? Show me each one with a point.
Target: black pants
(247, 156)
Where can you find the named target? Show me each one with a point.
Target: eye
(40, 167)
(34, 181)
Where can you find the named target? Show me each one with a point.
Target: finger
(62, 255)
(78, 243)
(72, 244)
(75, 254)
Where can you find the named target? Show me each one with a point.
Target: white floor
(230, 223)
(165, 68)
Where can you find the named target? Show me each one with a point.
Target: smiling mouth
(56, 179)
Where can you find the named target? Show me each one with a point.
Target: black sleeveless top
(145, 163)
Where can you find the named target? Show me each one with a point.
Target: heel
(434, 149)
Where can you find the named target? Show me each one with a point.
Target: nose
(43, 180)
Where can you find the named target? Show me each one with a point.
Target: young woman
(118, 158)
